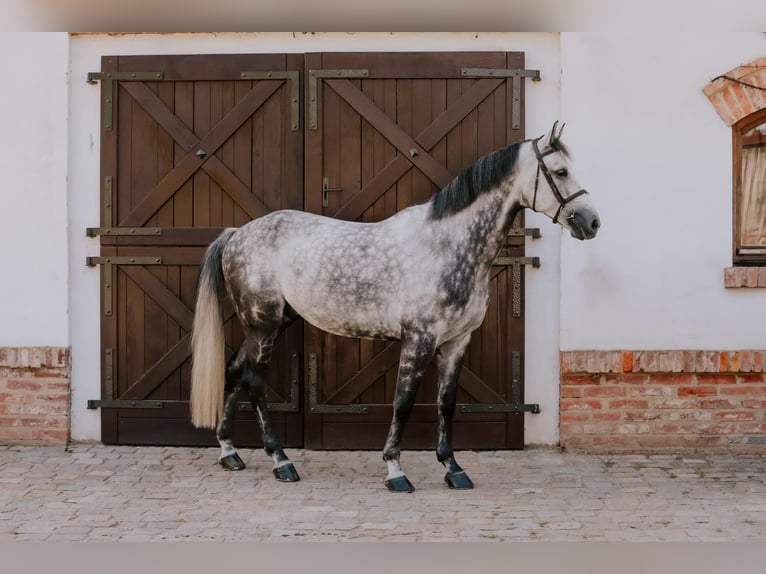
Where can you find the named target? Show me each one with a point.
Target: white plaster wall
(657, 160)
(542, 107)
(33, 197)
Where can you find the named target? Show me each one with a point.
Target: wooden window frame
(738, 129)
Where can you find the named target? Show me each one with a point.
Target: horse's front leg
(417, 351)
(449, 358)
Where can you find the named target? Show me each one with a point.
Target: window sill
(747, 277)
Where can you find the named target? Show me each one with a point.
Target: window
(749, 147)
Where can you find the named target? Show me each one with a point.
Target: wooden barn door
(190, 145)
(385, 131)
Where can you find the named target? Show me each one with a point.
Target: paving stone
(93, 492)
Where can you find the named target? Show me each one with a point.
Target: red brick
(670, 379)
(631, 379)
(568, 392)
(762, 277)
(736, 415)
(580, 404)
(668, 428)
(754, 404)
(49, 373)
(628, 403)
(627, 361)
(734, 362)
(570, 417)
(653, 391)
(571, 429)
(752, 378)
(675, 403)
(581, 380)
(689, 358)
(747, 361)
(8, 422)
(565, 363)
(747, 391)
(12, 384)
(758, 360)
(633, 416)
(723, 362)
(602, 391)
(716, 379)
(718, 404)
(606, 416)
(697, 391)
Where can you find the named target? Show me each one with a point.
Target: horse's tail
(208, 351)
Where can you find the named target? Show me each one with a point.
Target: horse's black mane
(484, 175)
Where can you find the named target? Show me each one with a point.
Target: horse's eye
(562, 172)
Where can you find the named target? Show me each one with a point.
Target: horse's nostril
(596, 224)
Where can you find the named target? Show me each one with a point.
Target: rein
(542, 167)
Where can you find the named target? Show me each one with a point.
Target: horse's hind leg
(229, 459)
(449, 358)
(255, 379)
(417, 352)
(260, 342)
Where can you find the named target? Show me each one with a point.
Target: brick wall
(732, 98)
(652, 400)
(34, 395)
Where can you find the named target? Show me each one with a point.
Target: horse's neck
(483, 225)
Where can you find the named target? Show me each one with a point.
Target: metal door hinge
(517, 76)
(107, 80)
(314, 76)
(321, 408)
(515, 263)
(293, 77)
(107, 262)
(96, 231)
(289, 407)
(516, 405)
(533, 232)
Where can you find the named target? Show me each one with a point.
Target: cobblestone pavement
(96, 492)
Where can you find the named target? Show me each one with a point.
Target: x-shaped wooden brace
(200, 152)
(412, 151)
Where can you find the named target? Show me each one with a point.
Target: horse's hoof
(232, 462)
(458, 480)
(286, 473)
(399, 484)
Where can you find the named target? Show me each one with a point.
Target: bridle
(542, 167)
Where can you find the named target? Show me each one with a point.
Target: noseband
(542, 167)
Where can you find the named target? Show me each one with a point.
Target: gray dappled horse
(421, 276)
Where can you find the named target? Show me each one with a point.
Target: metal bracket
(314, 76)
(107, 80)
(515, 263)
(124, 404)
(316, 406)
(96, 231)
(515, 406)
(533, 232)
(517, 76)
(292, 406)
(294, 79)
(107, 262)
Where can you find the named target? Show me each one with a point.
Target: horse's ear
(561, 130)
(552, 137)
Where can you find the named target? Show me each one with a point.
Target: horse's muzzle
(584, 224)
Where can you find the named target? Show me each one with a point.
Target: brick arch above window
(739, 92)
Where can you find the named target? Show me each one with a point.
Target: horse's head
(555, 191)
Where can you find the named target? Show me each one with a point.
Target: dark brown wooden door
(190, 145)
(193, 144)
(384, 131)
